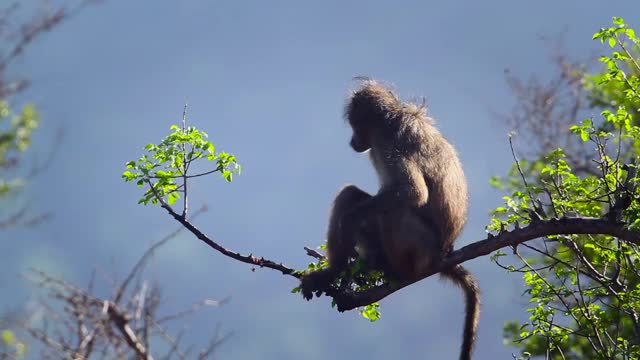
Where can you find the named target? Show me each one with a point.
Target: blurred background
(268, 81)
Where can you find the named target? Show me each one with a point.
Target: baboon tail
(469, 285)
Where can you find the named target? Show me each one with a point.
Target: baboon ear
(361, 78)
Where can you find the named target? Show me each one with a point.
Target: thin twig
(185, 202)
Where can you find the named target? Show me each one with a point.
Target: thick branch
(565, 226)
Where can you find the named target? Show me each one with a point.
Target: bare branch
(249, 259)
(124, 326)
(122, 323)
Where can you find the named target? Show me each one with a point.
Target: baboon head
(367, 112)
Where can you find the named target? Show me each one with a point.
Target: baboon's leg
(341, 237)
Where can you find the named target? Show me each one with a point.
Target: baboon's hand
(315, 281)
(306, 288)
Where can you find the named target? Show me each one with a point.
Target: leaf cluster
(582, 289)
(357, 278)
(165, 167)
(16, 131)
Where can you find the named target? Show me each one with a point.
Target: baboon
(419, 211)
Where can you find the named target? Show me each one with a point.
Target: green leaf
(371, 312)
(8, 337)
(631, 33)
(210, 147)
(173, 197)
(227, 175)
(584, 136)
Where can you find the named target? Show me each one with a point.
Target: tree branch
(249, 259)
(346, 299)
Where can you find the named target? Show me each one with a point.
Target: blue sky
(268, 81)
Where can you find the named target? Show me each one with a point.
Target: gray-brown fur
(420, 208)
(365, 242)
